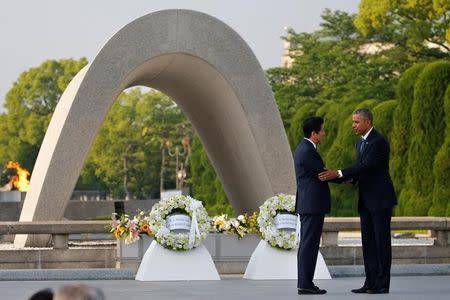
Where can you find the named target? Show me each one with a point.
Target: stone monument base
(161, 264)
(268, 262)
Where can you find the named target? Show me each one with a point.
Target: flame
(20, 181)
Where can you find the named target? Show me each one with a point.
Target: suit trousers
(377, 250)
(311, 229)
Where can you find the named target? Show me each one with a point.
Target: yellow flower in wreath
(146, 228)
(117, 234)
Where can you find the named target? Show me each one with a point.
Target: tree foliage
(330, 65)
(427, 117)
(401, 130)
(384, 115)
(127, 152)
(30, 104)
(409, 24)
(441, 169)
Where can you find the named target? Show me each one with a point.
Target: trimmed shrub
(427, 121)
(383, 117)
(441, 191)
(400, 137)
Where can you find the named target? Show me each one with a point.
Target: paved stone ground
(410, 288)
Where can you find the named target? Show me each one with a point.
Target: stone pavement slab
(410, 288)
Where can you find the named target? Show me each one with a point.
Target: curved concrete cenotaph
(211, 73)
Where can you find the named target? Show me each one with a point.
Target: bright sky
(34, 31)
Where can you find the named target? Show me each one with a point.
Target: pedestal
(268, 262)
(161, 264)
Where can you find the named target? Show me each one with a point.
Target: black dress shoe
(362, 290)
(378, 291)
(314, 291)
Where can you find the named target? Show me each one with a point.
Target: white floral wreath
(267, 225)
(175, 240)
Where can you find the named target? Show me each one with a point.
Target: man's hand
(328, 175)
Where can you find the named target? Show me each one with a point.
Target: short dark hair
(365, 113)
(312, 124)
(45, 294)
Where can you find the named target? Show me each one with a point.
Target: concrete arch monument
(212, 74)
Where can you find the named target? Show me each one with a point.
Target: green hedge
(427, 124)
(384, 117)
(441, 190)
(400, 137)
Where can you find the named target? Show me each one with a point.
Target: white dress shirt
(311, 143)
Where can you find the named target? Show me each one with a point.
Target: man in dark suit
(376, 201)
(312, 203)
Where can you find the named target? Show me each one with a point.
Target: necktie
(361, 146)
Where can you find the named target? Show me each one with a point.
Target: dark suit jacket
(313, 195)
(371, 170)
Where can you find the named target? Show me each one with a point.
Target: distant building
(286, 58)
(374, 48)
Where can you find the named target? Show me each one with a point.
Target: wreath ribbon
(194, 232)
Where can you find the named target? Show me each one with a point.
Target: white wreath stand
(161, 264)
(268, 262)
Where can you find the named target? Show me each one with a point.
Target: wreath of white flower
(266, 220)
(178, 241)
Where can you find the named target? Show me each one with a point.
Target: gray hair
(365, 113)
(79, 292)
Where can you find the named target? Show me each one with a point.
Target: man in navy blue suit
(376, 201)
(312, 203)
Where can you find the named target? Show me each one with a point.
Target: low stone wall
(48, 258)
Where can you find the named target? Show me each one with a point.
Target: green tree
(401, 131)
(127, 152)
(287, 96)
(409, 24)
(428, 121)
(329, 65)
(441, 169)
(29, 107)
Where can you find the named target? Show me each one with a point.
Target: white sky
(34, 31)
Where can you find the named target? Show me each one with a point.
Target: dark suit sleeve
(377, 154)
